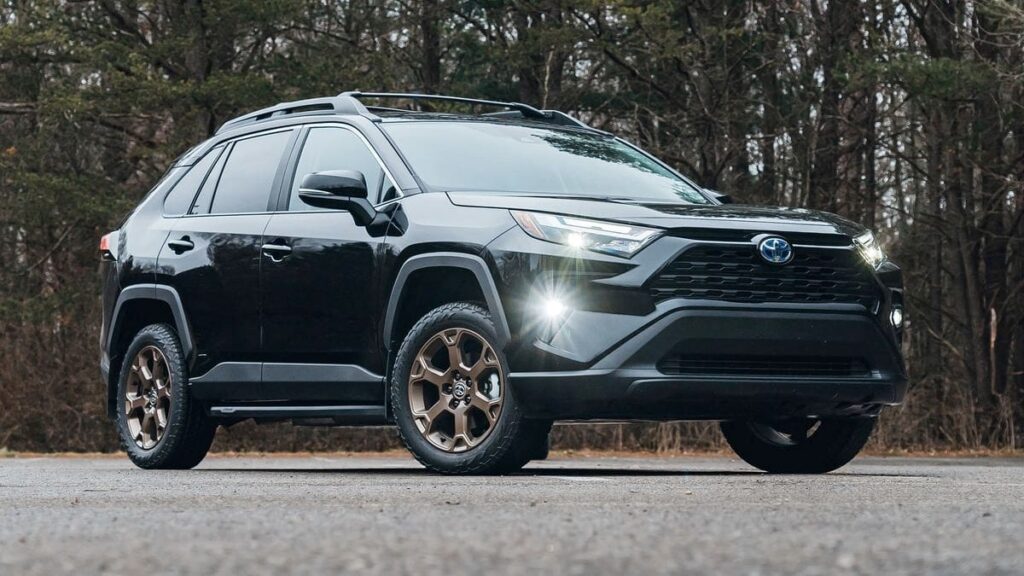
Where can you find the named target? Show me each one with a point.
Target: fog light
(896, 316)
(553, 308)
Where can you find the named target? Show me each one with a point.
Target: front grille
(738, 274)
(739, 365)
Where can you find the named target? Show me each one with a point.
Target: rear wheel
(450, 395)
(159, 424)
(799, 446)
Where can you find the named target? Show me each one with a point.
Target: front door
(319, 284)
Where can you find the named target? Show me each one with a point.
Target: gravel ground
(385, 515)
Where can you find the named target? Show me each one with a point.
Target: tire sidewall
(500, 439)
(833, 446)
(164, 339)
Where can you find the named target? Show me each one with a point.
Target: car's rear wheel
(159, 423)
(799, 446)
(451, 399)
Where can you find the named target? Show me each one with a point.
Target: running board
(324, 415)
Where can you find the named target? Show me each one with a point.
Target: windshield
(484, 157)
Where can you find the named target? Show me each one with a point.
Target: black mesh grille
(738, 274)
(763, 365)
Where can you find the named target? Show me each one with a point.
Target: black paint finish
(296, 314)
(318, 300)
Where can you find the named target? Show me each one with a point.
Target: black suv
(472, 278)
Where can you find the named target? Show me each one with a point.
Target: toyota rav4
(471, 278)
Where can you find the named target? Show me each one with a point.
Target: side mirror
(339, 190)
(722, 198)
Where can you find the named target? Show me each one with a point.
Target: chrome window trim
(362, 138)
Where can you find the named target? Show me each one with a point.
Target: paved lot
(565, 516)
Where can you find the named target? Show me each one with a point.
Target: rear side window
(202, 203)
(180, 198)
(247, 180)
(334, 149)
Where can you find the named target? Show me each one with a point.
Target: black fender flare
(158, 292)
(474, 264)
(162, 293)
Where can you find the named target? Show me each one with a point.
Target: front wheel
(452, 403)
(798, 446)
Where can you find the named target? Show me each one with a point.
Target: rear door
(319, 281)
(212, 256)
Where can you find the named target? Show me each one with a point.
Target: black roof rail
(524, 109)
(336, 104)
(554, 117)
(560, 117)
(348, 103)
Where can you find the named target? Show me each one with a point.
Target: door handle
(276, 252)
(181, 245)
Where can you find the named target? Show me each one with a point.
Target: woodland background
(905, 115)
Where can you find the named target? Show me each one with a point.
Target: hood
(682, 219)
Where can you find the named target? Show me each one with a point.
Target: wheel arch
(463, 263)
(138, 306)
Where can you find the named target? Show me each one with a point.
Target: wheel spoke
(431, 414)
(487, 361)
(133, 403)
(144, 429)
(162, 390)
(488, 407)
(422, 371)
(452, 339)
(462, 426)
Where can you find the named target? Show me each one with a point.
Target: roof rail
(555, 117)
(560, 117)
(348, 103)
(524, 109)
(337, 104)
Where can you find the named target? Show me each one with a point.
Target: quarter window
(180, 198)
(205, 197)
(247, 179)
(335, 149)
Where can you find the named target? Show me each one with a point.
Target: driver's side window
(328, 148)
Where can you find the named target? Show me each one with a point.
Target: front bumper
(630, 380)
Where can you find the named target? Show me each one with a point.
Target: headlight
(582, 234)
(869, 249)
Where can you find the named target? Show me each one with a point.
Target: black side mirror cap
(721, 198)
(339, 190)
(349, 183)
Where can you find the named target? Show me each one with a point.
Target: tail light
(107, 246)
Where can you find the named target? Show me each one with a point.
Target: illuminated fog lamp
(896, 316)
(553, 308)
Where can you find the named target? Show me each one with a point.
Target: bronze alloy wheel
(147, 399)
(456, 387)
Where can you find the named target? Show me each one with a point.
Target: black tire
(541, 442)
(189, 432)
(831, 446)
(505, 447)
(535, 445)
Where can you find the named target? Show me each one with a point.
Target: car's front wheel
(798, 446)
(160, 425)
(451, 400)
